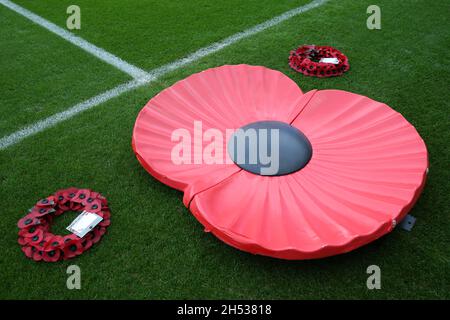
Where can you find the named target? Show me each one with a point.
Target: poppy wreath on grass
(306, 60)
(35, 237)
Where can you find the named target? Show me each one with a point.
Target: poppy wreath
(35, 237)
(305, 59)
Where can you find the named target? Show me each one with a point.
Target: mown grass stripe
(100, 53)
(151, 76)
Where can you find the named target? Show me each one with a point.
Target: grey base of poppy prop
(35, 237)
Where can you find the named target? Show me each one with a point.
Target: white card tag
(84, 223)
(329, 60)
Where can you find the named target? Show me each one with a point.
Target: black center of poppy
(41, 210)
(71, 195)
(45, 201)
(60, 198)
(54, 244)
(32, 229)
(94, 206)
(28, 221)
(51, 253)
(269, 148)
(73, 248)
(90, 200)
(35, 238)
(82, 196)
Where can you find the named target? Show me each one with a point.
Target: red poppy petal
(42, 211)
(105, 214)
(74, 206)
(37, 255)
(31, 231)
(27, 221)
(47, 202)
(72, 248)
(104, 201)
(23, 241)
(70, 237)
(105, 223)
(205, 100)
(59, 196)
(51, 256)
(28, 250)
(87, 244)
(54, 242)
(94, 206)
(81, 195)
(96, 235)
(69, 193)
(64, 206)
(59, 211)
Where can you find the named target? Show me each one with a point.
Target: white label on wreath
(84, 223)
(329, 60)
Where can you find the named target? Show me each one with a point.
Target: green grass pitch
(155, 248)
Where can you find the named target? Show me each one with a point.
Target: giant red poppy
(367, 168)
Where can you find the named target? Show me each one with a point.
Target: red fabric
(367, 169)
(38, 243)
(305, 59)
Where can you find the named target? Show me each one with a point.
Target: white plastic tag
(329, 60)
(84, 223)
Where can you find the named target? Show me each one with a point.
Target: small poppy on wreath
(39, 244)
(318, 61)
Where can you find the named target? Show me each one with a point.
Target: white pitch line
(217, 46)
(151, 76)
(46, 123)
(100, 53)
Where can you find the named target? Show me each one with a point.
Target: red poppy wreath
(35, 237)
(318, 61)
